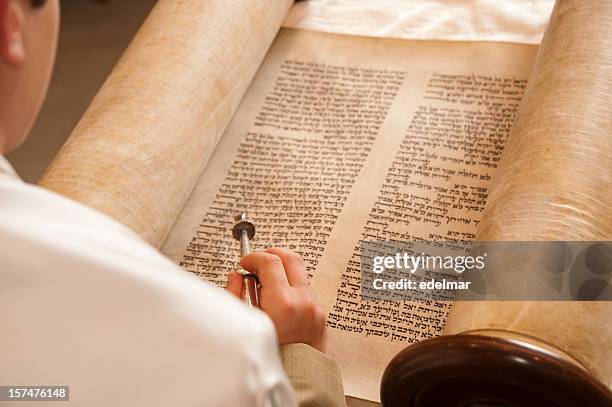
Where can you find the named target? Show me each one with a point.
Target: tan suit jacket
(315, 377)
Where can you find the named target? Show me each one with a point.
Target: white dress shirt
(86, 303)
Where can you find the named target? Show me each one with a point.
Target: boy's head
(28, 38)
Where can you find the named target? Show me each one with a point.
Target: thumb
(234, 283)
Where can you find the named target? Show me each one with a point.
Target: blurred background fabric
(463, 20)
(95, 33)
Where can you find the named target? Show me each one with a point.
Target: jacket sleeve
(315, 377)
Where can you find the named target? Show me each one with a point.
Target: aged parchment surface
(329, 147)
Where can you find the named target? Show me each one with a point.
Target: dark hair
(38, 3)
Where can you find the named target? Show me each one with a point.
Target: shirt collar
(7, 172)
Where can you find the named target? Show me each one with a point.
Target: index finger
(295, 268)
(268, 267)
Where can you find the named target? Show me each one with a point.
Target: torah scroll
(554, 181)
(340, 139)
(143, 142)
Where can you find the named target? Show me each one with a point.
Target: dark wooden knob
(483, 371)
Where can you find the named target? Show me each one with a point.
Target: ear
(12, 49)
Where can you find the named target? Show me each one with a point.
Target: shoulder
(44, 233)
(106, 301)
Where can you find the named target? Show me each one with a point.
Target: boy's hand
(284, 295)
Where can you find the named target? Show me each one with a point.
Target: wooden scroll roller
(554, 183)
(139, 149)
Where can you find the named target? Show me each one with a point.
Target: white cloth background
(476, 20)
